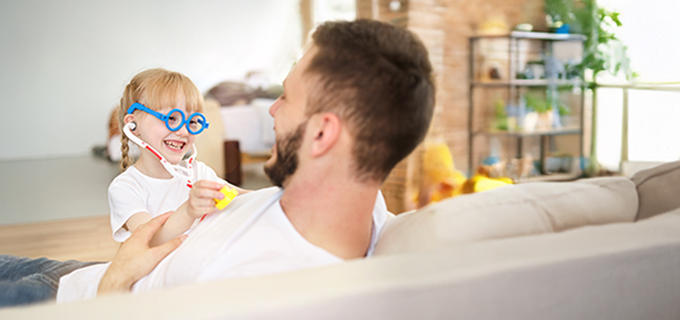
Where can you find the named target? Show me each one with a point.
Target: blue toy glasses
(175, 119)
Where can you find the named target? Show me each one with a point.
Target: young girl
(160, 111)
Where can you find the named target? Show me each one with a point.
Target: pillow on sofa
(511, 211)
(658, 189)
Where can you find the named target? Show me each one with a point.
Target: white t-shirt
(251, 237)
(132, 192)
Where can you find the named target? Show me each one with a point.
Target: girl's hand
(202, 198)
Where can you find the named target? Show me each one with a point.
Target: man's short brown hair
(378, 78)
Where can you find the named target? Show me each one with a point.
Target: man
(357, 103)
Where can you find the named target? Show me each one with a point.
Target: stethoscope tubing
(177, 171)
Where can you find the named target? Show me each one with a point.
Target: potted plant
(542, 112)
(500, 120)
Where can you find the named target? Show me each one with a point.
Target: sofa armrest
(657, 189)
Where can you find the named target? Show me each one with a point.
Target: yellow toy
(229, 195)
(440, 178)
(482, 182)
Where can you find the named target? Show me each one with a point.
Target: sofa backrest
(658, 189)
(511, 211)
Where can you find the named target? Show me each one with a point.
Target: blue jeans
(24, 281)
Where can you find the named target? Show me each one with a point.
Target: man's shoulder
(260, 194)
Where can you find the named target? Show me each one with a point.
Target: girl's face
(173, 145)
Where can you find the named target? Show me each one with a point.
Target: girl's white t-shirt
(250, 237)
(132, 192)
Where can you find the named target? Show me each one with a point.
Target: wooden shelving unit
(508, 79)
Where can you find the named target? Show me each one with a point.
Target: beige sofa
(533, 251)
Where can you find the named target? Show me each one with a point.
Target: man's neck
(334, 215)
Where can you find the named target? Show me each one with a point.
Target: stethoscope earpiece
(131, 125)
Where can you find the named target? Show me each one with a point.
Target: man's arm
(136, 258)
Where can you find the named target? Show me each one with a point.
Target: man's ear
(326, 128)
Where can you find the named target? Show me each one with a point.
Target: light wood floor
(84, 239)
(67, 216)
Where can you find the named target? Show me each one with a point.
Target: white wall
(64, 64)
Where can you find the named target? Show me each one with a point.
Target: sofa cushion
(658, 189)
(511, 211)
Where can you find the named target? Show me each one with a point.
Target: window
(654, 116)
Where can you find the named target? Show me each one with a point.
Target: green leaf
(598, 25)
(615, 17)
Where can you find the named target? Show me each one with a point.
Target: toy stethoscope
(183, 170)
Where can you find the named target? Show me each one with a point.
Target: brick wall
(445, 27)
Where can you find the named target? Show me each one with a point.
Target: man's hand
(136, 258)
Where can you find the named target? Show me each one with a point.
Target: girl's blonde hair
(156, 89)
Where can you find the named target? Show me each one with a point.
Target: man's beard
(286, 161)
